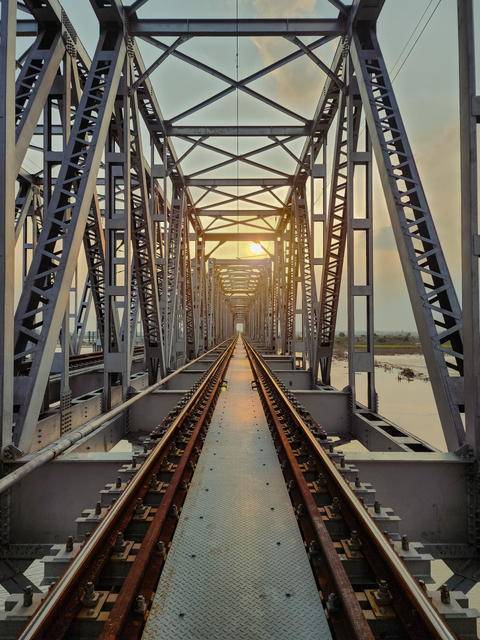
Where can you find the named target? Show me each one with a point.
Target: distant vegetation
(384, 343)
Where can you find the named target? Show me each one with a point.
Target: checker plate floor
(237, 568)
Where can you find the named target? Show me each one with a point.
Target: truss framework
(151, 232)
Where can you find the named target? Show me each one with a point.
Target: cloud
(275, 8)
(297, 85)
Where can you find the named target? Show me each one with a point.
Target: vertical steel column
(307, 275)
(144, 248)
(334, 246)
(469, 121)
(118, 249)
(318, 226)
(211, 303)
(359, 360)
(192, 319)
(177, 220)
(430, 286)
(65, 109)
(277, 294)
(291, 285)
(199, 285)
(8, 10)
(81, 319)
(43, 300)
(31, 229)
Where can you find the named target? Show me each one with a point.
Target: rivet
(27, 596)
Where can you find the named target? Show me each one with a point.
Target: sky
(426, 89)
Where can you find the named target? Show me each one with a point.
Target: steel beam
(432, 294)
(44, 297)
(118, 252)
(34, 84)
(241, 237)
(469, 120)
(233, 213)
(145, 263)
(240, 182)
(307, 275)
(7, 222)
(238, 131)
(359, 279)
(175, 234)
(230, 27)
(334, 250)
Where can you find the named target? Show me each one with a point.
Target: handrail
(53, 450)
(51, 606)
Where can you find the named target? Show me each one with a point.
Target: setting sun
(256, 248)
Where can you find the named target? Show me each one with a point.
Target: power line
(416, 40)
(411, 35)
(410, 50)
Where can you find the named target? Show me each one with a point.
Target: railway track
(117, 569)
(380, 599)
(107, 581)
(82, 360)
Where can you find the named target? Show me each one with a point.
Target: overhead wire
(417, 39)
(409, 39)
(410, 51)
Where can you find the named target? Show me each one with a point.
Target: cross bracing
(169, 182)
(150, 213)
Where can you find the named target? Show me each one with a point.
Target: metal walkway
(237, 567)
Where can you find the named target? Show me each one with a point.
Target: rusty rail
(306, 469)
(128, 612)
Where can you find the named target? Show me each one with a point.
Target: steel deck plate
(237, 567)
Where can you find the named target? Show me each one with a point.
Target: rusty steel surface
(143, 576)
(415, 615)
(67, 594)
(237, 567)
(338, 582)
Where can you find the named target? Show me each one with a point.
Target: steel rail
(337, 582)
(80, 360)
(433, 623)
(97, 549)
(52, 451)
(147, 566)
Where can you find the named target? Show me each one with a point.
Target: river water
(408, 403)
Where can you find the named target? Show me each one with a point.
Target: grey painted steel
(242, 27)
(469, 121)
(52, 451)
(309, 305)
(203, 305)
(435, 514)
(33, 86)
(226, 576)
(334, 249)
(432, 294)
(7, 222)
(47, 294)
(233, 182)
(359, 285)
(143, 243)
(118, 250)
(233, 131)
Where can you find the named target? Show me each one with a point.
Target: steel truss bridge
(114, 232)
